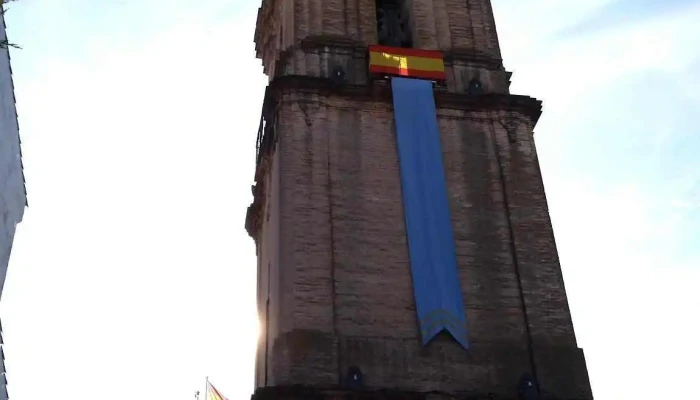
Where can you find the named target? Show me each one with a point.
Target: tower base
(299, 392)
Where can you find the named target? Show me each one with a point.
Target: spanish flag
(213, 394)
(411, 63)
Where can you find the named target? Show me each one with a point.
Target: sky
(132, 275)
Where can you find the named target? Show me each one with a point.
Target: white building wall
(12, 191)
(3, 378)
(13, 197)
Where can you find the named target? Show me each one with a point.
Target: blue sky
(132, 275)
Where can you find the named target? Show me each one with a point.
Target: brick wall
(345, 290)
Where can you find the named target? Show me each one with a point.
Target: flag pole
(206, 389)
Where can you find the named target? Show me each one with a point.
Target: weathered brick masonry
(334, 281)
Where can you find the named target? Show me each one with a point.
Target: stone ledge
(294, 392)
(380, 90)
(345, 44)
(300, 392)
(315, 43)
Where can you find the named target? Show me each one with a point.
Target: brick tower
(404, 243)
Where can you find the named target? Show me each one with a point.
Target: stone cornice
(455, 55)
(381, 91)
(298, 392)
(320, 43)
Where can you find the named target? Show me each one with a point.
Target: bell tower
(403, 237)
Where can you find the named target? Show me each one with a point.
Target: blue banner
(436, 283)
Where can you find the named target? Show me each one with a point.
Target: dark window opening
(475, 88)
(393, 23)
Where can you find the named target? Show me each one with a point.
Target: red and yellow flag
(414, 63)
(213, 394)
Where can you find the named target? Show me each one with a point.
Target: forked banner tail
(436, 283)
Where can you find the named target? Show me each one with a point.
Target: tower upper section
(313, 37)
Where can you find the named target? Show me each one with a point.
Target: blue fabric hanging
(431, 245)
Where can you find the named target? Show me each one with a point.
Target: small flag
(213, 394)
(413, 63)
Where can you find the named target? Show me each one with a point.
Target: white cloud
(139, 161)
(615, 146)
(632, 306)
